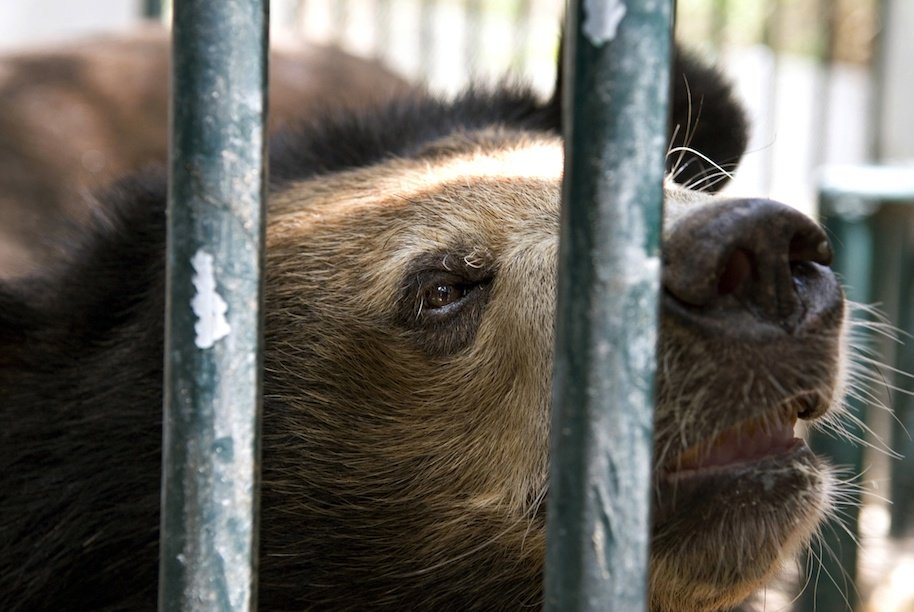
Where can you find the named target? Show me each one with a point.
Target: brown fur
(455, 470)
(77, 116)
(405, 450)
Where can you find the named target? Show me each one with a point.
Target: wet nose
(754, 255)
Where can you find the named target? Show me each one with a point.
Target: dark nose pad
(755, 255)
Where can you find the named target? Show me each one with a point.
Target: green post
(213, 324)
(152, 9)
(833, 570)
(617, 59)
(902, 492)
(869, 214)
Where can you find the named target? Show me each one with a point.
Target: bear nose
(752, 254)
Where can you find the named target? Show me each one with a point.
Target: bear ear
(708, 130)
(708, 127)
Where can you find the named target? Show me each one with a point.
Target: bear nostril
(751, 256)
(737, 271)
(810, 246)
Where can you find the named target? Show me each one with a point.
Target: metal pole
(213, 328)
(833, 570)
(474, 15)
(868, 211)
(616, 102)
(771, 29)
(720, 16)
(152, 9)
(903, 399)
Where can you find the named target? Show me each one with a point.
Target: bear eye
(443, 295)
(442, 300)
(440, 295)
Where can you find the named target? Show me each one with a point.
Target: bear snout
(756, 257)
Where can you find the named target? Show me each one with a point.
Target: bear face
(409, 300)
(461, 310)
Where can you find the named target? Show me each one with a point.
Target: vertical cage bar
(902, 488)
(213, 330)
(339, 19)
(522, 36)
(868, 212)
(616, 100)
(833, 567)
(827, 16)
(474, 17)
(720, 17)
(772, 26)
(152, 9)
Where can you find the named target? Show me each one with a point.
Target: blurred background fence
(828, 85)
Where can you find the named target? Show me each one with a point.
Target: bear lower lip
(746, 442)
(782, 454)
(768, 485)
(780, 487)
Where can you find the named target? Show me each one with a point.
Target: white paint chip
(602, 19)
(599, 547)
(207, 304)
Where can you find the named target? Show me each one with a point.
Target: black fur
(704, 118)
(81, 351)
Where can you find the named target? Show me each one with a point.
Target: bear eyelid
(442, 299)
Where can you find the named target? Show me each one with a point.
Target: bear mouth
(745, 451)
(757, 463)
(758, 438)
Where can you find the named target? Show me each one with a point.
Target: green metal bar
(616, 100)
(902, 489)
(882, 198)
(152, 9)
(869, 212)
(832, 581)
(213, 329)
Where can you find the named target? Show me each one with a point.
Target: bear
(409, 315)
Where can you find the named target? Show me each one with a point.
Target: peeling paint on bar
(602, 19)
(616, 98)
(207, 304)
